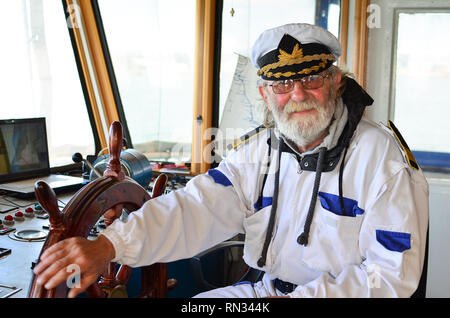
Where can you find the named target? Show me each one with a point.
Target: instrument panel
(23, 231)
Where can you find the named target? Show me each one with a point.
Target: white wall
(438, 278)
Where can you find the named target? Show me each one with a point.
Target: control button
(29, 212)
(19, 216)
(42, 216)
(4, 230)
(8, 220)
(38, 208)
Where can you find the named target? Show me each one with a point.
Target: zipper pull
(299, 170)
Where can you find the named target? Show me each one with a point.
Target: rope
(262, 259)
(303, 238)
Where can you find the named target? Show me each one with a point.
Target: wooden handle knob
(47, 199)
(113, 168)
(160, 185)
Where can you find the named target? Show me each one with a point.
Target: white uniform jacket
(375, 250)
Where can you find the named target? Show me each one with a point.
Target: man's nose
(298, 93)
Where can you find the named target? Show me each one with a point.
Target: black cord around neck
(341, 172)
(303, 238)
(273, 211)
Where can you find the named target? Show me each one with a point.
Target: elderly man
(331, 205)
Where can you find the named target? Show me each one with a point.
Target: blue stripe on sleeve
(219, 177)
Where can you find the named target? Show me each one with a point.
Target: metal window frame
(428, 160)
(111, 73)
(83, 83)
(92, 67)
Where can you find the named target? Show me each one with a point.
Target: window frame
(110, 72)
(428, 160)
(381, 64)
(83, 83)
(92, 67)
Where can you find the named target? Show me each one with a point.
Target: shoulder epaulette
(408, 154)
(245, 138)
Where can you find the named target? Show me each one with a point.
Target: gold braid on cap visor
(299, 60)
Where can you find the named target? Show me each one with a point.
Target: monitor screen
(23, 149)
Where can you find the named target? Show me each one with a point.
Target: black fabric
(284, 287)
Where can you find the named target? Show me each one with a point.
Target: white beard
(305, 129)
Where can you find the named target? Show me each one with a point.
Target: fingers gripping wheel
(105, 196)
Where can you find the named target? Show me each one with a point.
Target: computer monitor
(23, 149)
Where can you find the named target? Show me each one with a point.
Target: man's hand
(92, 257)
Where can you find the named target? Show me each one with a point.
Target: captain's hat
(293, 51)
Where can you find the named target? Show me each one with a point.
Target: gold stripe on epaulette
(408, 154)
(245, 138)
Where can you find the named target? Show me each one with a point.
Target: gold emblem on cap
(297, 52)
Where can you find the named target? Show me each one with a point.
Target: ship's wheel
(104, 197)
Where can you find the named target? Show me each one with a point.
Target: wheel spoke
(94, 291)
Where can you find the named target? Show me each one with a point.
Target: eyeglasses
(308, 82)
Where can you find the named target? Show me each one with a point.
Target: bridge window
(40, 77)
(152, 45)
(420, 84)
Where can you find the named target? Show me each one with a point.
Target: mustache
(293, 106)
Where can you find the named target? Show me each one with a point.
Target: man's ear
(263, 95)
(337, 84)
(337, 79)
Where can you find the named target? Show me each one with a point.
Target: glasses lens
(312, 81)
(282, 87)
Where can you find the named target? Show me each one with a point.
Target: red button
(28, 210)
(19, 214)
(8, 218)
